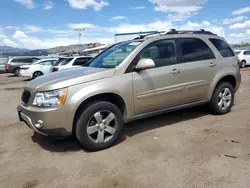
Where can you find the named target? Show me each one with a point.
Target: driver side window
(162, 52)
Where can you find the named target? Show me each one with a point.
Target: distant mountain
(74, 48)
(8, 49)
(70, 48)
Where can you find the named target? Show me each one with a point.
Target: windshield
(62, 61)
(237, 53)
(115, 55)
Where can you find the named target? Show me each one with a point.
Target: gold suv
(131, 80)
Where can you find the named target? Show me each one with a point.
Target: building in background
(95, 51)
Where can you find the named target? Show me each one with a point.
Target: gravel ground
(188, 149)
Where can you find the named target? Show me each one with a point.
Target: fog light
(39, 124)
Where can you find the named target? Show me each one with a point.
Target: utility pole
(79, 33)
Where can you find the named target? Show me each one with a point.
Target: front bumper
(46, 128)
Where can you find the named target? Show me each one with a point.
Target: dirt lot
(188, 149)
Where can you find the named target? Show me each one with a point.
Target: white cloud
(48, 5)
(36, 43)
(119, 18)
(241, 11)
(237, 35)
(178, 6)
(84, 4)
(2, 36)
(20, 35)
(233, 20)
(138, 8)
(8, 42)
(82, 26)
(27, 3)
(243, 25)
(248, 31)
(33, 28)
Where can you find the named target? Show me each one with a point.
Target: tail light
(55, 69)
(239, 63)
(25, 68)
(8, 65)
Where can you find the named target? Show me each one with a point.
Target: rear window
(237, 53)
(222, 47)
(62, 61)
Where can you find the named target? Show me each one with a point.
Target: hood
(68, 78)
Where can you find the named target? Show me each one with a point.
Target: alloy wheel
(225, 98)
(102, 127)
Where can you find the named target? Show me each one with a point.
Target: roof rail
(201, 31)
(153, 33)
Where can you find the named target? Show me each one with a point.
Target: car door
(198, 67)
(161, 86)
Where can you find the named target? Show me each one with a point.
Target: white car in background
(244, 57)
(65, 63)
(38, 68)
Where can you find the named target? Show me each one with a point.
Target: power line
(79, 33)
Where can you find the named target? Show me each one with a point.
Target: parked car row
(32, 67)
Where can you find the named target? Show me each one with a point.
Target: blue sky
(48, 23)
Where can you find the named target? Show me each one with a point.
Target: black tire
(37, 74)
(243, 64)
(214, 106)
(16, 71)
(83, 121)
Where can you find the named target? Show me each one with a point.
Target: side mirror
(145, 64)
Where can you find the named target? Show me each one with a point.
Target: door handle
(212, 64)
(175, 71)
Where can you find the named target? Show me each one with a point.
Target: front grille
(25, 97)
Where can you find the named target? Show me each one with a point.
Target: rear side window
(222, 47)
(247, 53)
(62, 61)
(80, 61)
(194, 49)
(22, 60)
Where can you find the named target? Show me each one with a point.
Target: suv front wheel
(223, 99)
(99, 125)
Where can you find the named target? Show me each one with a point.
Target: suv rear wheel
(223, 99)
(16, 71)
(99, 125)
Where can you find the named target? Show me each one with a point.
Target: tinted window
(28, 60)
(247, 53)
(194, 49)
(162, 52)
(63, 61)
(22, 60)
(222, 47)
(80, 61)
(46, 63)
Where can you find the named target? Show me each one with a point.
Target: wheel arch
(230, 78)
(111, 97)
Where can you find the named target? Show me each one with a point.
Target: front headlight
(50, 98)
